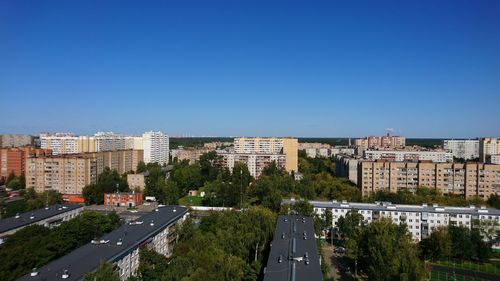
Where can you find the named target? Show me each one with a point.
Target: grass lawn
(191, 200)
(474, 266)
(441, 276)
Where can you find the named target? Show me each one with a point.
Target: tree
(302, 208)
(438, 245)
(350, 224)
(10, 177)
(104, 272)
(109, 181)
(14, 184)
(387, 252)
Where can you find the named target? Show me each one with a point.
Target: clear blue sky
(300, 68)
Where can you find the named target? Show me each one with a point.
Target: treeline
(194, 142)
(108, 181)
(36, 245)
(31, 200)
(226, 246)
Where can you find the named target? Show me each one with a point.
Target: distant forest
(199, 141)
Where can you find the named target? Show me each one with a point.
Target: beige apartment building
(69, 174)
(136, 181)
(286, 146)
(469, 180)
(191, 154)
(488, 146)
(377, 142)
(256, 162)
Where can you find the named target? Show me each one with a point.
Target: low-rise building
(293, 254)
(420, 220)
(155, 231)
(123, 199)
(409, 155)
(50, 216)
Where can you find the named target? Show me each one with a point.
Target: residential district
(123, 207)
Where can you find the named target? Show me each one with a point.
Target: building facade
(407, 155)
(420, 220)
(381, 142)
(493, 159)
(59, 143)
(156, 147)
(123, 199)
(136, 181)
(468, 180)
(10, 140)
(13, 160)
(268, 146)
(69, 174)
(191, 154)
(256, 163)
(465, 149)
(488, 146)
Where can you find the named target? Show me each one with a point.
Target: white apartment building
(493, 159)
(401, 155)
(488, 146)
(256, 163)
(420, 220)
(329, 152)
(465, 149)
(156, 147)
(60, 143)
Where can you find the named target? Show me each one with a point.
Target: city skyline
(427, 69)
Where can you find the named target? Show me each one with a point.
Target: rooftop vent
(174, 210)
(17, 216)
(156, 210)
(65, 274)
(32, 216)
(46, 208)
(434, 205)
(280, 259)
(34, 272)
(152, 223)
(119, 242)
(306, 255)
(285, 219)
(283, 235)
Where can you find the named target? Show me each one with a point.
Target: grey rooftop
(86, 258)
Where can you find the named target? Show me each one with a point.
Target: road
(334, 262)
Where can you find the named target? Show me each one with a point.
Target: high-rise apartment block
(378, 142)
(488, 146)
(59, 143)
(69, 174)
(256, 163)
(13, 160)
(156, 147)
(465, 149)
(409, 155)
(10, 140)
(286, 146)
(468, 180)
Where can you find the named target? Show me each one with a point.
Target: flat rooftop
(289, 251)
(86, 258)
(388, 206)
(36, 216)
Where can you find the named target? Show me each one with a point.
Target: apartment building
(378, 142)
(256, 163)
(469, 179)
(421, 220)
(409, 155)
(69, 174)
(191, 154)
(59, 143)
(313, 145)
(137, 181)
(10, 140)
(329, 152)
(293, 254)
(13, 160)
(155, 231)
(50, 216)
(488, 146)
(493, 159)
(465, 149)
(156, 147)
(267, 146)
(346, 166)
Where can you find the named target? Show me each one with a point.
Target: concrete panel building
(468, 180)
(465, 149)
(285, 146)
(381, 142)
(409, 155)
(156, 147)
(59, 143)
(420, 220)
(137, 181)
(256, 163)
(488, 146)
(10, 140)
